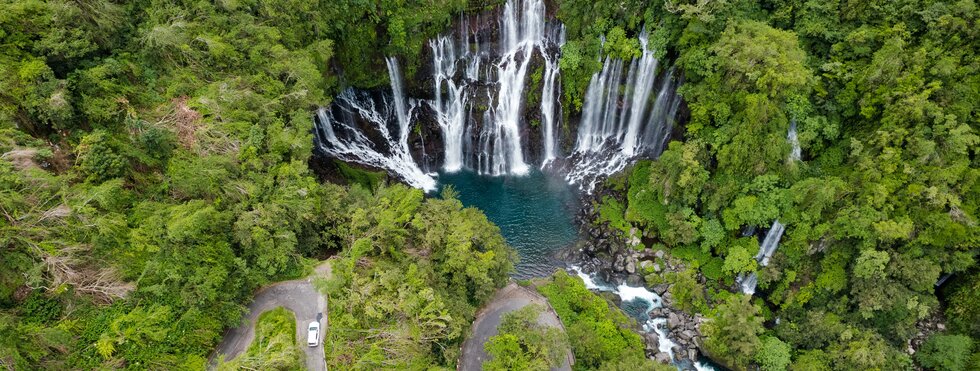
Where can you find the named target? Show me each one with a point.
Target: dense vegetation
(154, 166)
(404, 293)
(274, 347)
(883, 202)
(523, 343)
(154, 173)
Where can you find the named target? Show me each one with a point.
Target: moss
(365, 178)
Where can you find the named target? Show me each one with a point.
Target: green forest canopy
(154, 168)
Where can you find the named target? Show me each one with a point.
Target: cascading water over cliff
(768, 247)
(618, 125)
(466, 70)
(494, 91)
(356, 129)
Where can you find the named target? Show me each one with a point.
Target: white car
(313, 336)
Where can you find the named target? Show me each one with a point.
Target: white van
(313, 336)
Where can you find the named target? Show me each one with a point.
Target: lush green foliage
(408, 286)
(732, 333)
(523, 343)
(153, 174)
(945, 352)
(154, 169)
(603, 335)
(274, 346)
(883, 201)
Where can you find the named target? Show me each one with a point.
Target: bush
(98, 158)
(774, 354)
(274, 346)
(522, 343)
(945, 352)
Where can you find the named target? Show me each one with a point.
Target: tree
(963, 313)
(945, 352)
(774, 355)
(523, 343)
(732, 332)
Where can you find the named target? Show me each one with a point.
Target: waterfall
(480, 77)
(796, 153)
(621, 122)
(341, 131)
(450, 108)
(461, 82)
(768, 247)
(398, 93)
(548, 101)
(641, 84)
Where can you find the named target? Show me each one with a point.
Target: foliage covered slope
(885, 200)
(154, 165)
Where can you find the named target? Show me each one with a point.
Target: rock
(635, 280)
(673, 320)
(653, 342)
(662, 358)
(692, 353)
(659, 254)
(658, 312)
(644, 264)
(630, 267)
(656, 267)
(687, 335)
(661, 289)
(678, 352)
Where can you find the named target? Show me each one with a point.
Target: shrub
(945, 352)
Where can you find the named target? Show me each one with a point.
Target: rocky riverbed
(615, 257)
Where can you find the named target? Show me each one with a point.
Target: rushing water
(768, 247)
(534, 213)
(637, 302)
(480, 97)
(620, 122)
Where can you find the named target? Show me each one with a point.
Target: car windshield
(312, 328)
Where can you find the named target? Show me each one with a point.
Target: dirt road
(298, 296)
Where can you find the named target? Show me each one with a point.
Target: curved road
(510, 298)
(298, 296)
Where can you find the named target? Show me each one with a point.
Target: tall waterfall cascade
(621, 122)
(464, 70)
(495, 87)
(341, 131)
(768, 247)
